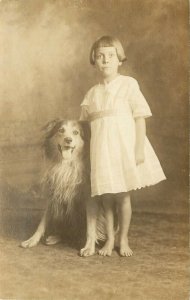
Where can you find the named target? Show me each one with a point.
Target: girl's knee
(107, 197)
(123, 197)
(107, 200)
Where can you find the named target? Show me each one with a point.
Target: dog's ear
(48, 129)
(85, 130)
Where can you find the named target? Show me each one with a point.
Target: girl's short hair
(107, 41)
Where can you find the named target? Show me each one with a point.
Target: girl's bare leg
(108, 206)
(124, 216)
(91, 212)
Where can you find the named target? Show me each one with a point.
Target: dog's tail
(101, 225)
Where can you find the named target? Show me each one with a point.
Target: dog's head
(65, 139)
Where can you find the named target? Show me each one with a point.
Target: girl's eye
(112, 54)
(75, 132)
(98, 56)
(61, 130)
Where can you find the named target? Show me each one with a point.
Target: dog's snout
(68, 140)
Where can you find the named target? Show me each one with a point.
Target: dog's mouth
(66, 151)
(66, 147)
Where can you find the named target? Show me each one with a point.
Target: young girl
(122, 158)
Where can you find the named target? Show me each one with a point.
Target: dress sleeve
(139, 106)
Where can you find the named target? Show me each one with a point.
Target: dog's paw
(52, 240)
(32, 242)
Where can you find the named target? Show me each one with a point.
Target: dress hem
(129, 190)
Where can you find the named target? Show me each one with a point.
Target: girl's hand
(139, 156)
(140, 139)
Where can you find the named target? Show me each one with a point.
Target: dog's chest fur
(66, 183)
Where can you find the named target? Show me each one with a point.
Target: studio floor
(158, 270)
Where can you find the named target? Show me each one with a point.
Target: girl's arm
(84, 113)
(140, 126)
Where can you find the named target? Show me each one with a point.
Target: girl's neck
(108, 79)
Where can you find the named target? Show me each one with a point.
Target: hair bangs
(107, 41)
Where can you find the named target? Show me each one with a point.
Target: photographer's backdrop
(45, 73)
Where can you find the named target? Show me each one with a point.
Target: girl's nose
(105, 59)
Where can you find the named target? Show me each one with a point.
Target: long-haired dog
(66, 184)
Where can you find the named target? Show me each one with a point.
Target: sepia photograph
(94, 190)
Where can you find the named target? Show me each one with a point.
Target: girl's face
(107, 62)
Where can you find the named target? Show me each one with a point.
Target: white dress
(112, 108)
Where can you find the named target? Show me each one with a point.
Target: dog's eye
(61, 130)
(75, 132)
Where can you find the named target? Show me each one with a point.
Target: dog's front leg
(34, 240)
(91, 212)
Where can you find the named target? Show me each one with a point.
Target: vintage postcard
(94, 149)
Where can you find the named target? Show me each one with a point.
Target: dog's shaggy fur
(66, 180)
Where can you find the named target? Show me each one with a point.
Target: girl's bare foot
(107, 249)
(125, 250)
(89, 248)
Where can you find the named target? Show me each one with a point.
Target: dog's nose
(68, 140)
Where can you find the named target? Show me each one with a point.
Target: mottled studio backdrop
(45, 73)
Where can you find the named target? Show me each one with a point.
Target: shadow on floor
(157, 270)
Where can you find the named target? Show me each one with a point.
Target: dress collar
(104, 84)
